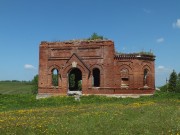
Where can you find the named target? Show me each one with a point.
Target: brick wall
(118, 73)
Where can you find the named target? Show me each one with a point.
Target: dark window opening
(55, 77)
(75, 80)
(96, 77)
(124, 82)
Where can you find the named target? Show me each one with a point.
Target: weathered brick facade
(99, 69)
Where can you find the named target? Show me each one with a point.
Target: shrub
(95, 36)
(35, 85)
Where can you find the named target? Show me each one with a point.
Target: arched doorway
(75, 80)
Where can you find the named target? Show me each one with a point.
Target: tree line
(23, 81)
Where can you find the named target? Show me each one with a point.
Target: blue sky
(134, 25)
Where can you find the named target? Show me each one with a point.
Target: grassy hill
(23, 114)
(9, 87)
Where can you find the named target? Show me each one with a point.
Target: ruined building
(93, 67)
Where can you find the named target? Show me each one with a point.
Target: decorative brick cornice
(134, 56)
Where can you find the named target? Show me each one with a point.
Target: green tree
(178, 83)
(55, 80)
(35, 85)
(95, 36)
(80, 85)
(172, 82)
(72, 80)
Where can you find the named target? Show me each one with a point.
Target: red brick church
(93, 67)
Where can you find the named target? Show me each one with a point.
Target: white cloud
(160, 40)
(29, 66)
(163, 69)
(160, 67)
(177, 24)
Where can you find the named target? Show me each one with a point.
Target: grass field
(22, 114)
(15, 88)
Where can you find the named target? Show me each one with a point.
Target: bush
(95, 36)
(164, 88)
(35, 85)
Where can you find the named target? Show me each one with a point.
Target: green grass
(15, 88)
(23, 114)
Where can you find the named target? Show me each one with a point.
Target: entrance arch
(75, 80)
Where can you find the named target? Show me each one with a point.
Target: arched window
(124, 78)
(96, 77)
(145, 78)
(55, 77)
